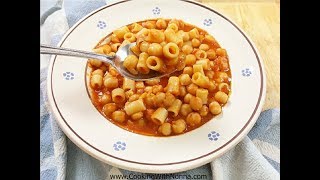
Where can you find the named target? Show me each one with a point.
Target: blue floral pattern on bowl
(246, 72)
(207, 22)
(68, 75)
(156, 11)
(119, 146)
(101, 24)
(213, 136)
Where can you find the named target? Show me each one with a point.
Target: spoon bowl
(116, 61)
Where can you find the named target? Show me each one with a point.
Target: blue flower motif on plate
(156, 11)
(213, 136)
(68, 75)
(119, 146)
(207, 22)
(246, 72)
(101, 24)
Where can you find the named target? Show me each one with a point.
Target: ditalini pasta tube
(155, 36)
(118, 95)
(130, 37)
(175, 107)
(96, 81)
(200, 80)
(142, 65)
(134, 107)
(197, 68)
(203, 95)
(171, 50)
(130, 62)
(129, 84)
(159, 116)
(155, 63)
(170, 35)
(173, 85)
(194, 33)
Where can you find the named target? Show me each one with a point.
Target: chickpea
(178, 126)
(155, 49)
(221, 97)
(215, 108)
(149, 99)
(185, 109)
(183, 91)
(187, 49)
(98, 71)
(204, 47)
(195, 42)
(95, 62)
(187, 98)
(204, 110)
(133, 97)
(161, 24)
(193, 119)
(195, 103)
(211, 54)
(118, 116)
(159, 98)
(109, 108)
(192, 89)
(169, 99)
(137, 116)
(105, 98)
(165, 129)
(185, 79)
(188, 70)
(221, 52)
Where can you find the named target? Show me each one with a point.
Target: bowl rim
(113, 160)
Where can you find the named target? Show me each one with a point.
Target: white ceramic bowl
(89, 130)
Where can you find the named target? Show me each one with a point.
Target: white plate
(89, 130)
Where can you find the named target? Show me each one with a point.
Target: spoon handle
(47, 49)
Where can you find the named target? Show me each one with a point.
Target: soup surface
(171, 105)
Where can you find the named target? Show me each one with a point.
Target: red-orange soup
(172, 105)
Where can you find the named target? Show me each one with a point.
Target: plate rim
(85, 146)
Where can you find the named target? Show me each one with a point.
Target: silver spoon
(115, 61)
